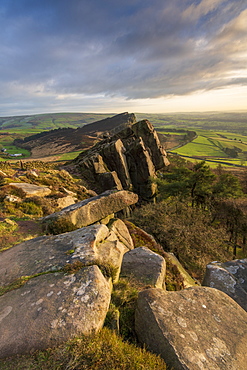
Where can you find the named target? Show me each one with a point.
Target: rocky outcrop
(145, 266)
(90, 245)
(59, 286)
(94, 209)
(128, 160)
(31, 190)
(229, 277)
(196, 328)
(52, 308)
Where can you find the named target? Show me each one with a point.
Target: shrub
(59, 226)
(30, 208)
(185, 231)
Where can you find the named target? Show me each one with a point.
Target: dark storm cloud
(131, 48)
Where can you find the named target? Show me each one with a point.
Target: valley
(220, 138)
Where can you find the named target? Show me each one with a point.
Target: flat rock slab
(94, 209)
(32, 190)
(51, 309)
(90, 245)
(145, 266)
(198, 328)
(229, 277)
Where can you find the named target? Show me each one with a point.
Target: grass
(201, 146)
(102, 351)
(69, 156)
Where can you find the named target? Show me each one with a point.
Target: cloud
(195, 11)
(133, 49)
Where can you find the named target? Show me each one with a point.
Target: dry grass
(102, 351)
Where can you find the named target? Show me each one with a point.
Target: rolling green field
(221, 137)
(211, 147)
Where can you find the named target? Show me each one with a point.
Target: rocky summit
(127, 160)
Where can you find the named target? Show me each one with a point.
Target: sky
(150, 56)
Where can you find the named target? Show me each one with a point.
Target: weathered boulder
(65, 201)
(133, 155)
(145, 266)
(93, 209)
(52, 308)
(229, 277)
(13, 198)
(32, 190)
(94, 244)
(195, 328)
(122, 232)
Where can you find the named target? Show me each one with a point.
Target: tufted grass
(102, 351)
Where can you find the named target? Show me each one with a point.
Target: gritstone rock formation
(127, 160)
(198, 328)
(229, 277)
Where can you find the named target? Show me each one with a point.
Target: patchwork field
(220, 137)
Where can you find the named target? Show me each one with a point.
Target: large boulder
(229, 277)
(94, 209)
(195, 328)
(31, 190)
(94, 244)
(53, 308)
(145, 266)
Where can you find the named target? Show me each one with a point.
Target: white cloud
(195, 11)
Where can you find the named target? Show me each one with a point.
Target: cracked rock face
(54, 305)
(127, 160)
(89, 245)
(229, 277)
(198, 328)
(53, 308)
(94, 209)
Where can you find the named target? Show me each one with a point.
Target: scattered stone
(32, 173)
(94, 209)
(13, 198)
(52, 308)
(145, 266)
(65, 201)
(10, 222)
(192, 329)
(229, 277)
(71, 192)
(3, 174)
(31, 190)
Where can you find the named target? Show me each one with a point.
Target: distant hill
(45, 122)
(65, 140)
